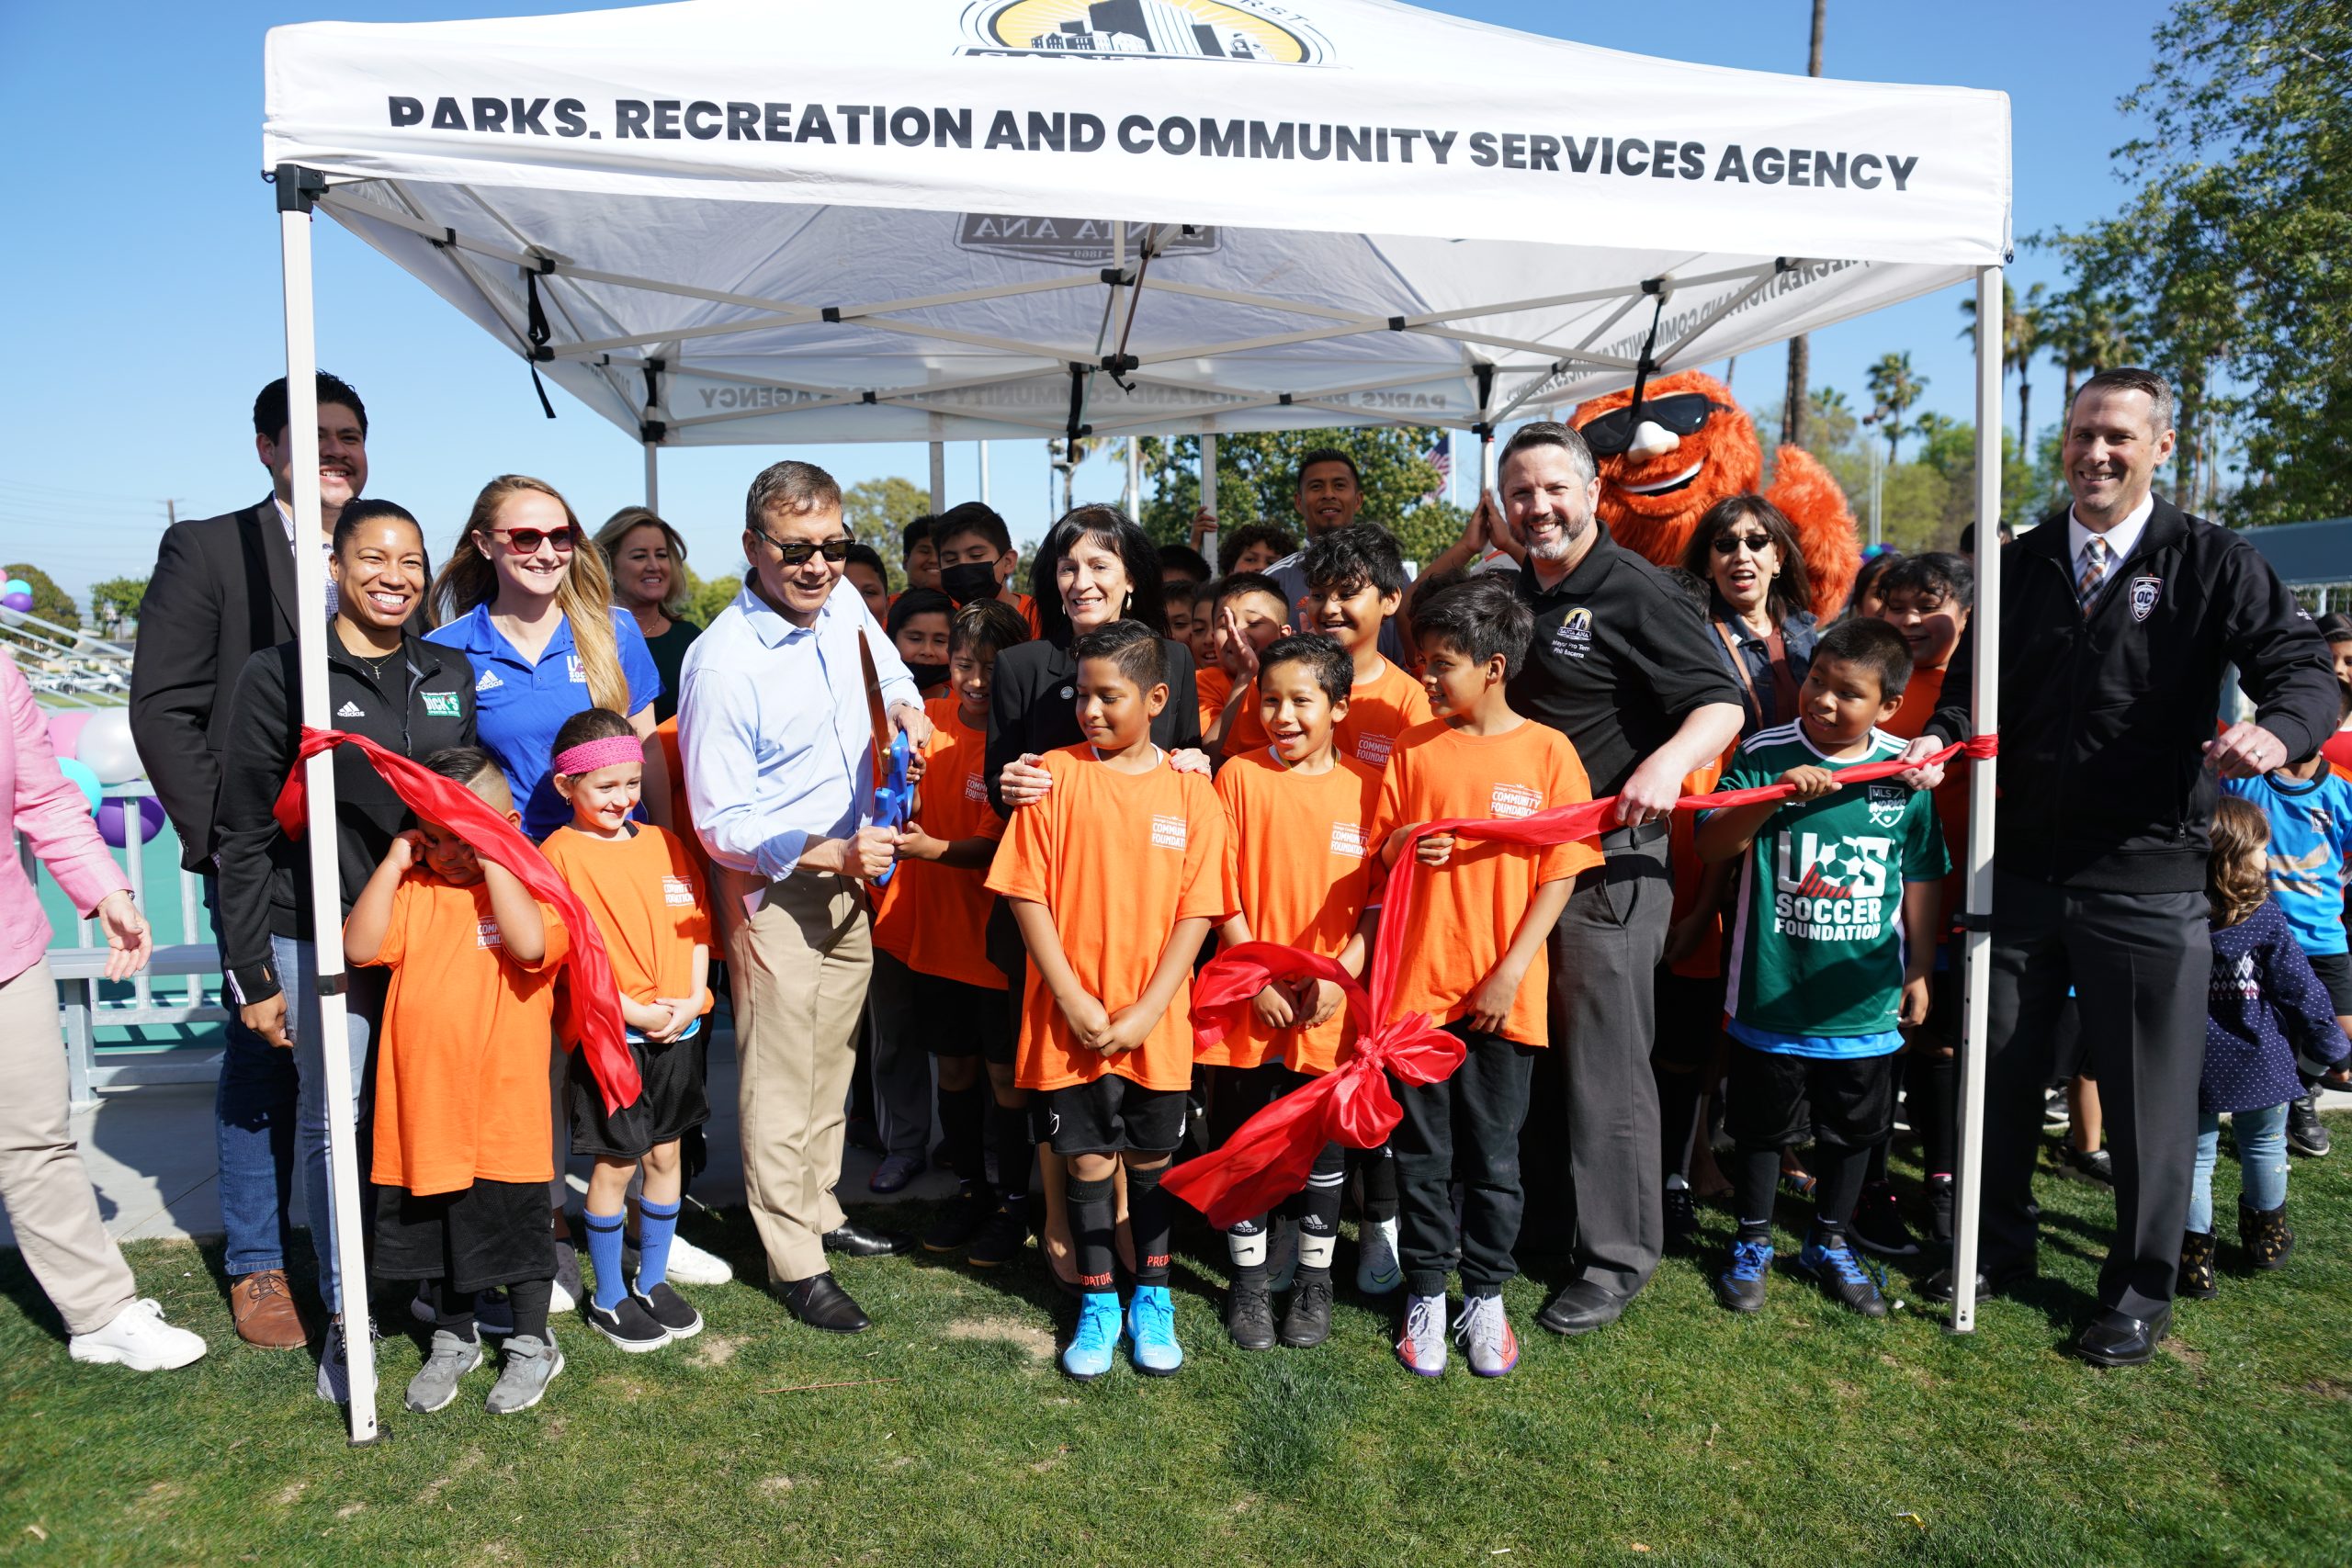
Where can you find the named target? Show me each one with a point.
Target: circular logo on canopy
(1152, 30)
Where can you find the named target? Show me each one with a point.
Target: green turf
(1682, 1435)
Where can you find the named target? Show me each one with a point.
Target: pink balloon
(65, 731)
(111, 818)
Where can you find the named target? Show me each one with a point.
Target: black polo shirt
(1619, 659)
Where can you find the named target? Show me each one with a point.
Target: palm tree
(2020, 341)
(1896, 387)
(1799, 352)
(2084, 331)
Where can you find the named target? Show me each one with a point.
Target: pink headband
(590, 755)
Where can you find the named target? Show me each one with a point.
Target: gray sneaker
(334, 1365)
(531, 1365)
(435, 1383)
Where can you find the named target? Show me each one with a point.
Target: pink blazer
(50, 810)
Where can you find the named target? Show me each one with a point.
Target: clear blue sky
(143, 283)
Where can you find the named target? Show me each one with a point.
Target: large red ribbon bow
(591, 1008)
(1270, 1157)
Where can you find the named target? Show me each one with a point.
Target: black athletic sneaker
(1309, 1322)
(1878, 1227)
(1249, 1316)
(1681, 1216)
(966, 1215)
(1841, 1276)
(669, 1309)
(2306, 1134)
(1002, 1240)
(628, 1326)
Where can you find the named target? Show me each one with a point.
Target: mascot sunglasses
(1680, 415)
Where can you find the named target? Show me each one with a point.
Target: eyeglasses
(527, 541)
(1731, 544)
(1681, 414)
(796, 552)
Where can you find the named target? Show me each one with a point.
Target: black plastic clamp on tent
(649, 432)
(541, 333)
(299, 189)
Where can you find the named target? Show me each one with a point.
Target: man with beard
(1620, 664)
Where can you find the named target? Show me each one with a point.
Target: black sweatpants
(1466, 1126)
(2138, 964)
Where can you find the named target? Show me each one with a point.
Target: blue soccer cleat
(1096, 1340)
(1151, 1328)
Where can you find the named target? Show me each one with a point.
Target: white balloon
(106, 747)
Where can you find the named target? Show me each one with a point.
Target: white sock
(1249, 1249)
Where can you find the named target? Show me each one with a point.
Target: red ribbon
(1270, 1157)
(592, 1008)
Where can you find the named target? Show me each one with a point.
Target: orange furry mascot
(1652, 493)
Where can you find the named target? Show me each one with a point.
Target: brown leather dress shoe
(266, 1316)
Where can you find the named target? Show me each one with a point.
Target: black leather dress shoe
(820, 1303)
(1581, 1307)
(855, 1241)
(1938, 1286)
(2115, 1340)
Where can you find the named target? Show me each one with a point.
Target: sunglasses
(796, 552)
(527, 541)
(1732, 544)
(1681, 414)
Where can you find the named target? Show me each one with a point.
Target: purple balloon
(111, 815)
(20, 602)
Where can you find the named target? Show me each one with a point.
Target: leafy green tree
(875, 509)
(124, 593)
(1895, 386)
(51, 603)
(2232, 246)
(1257, 474)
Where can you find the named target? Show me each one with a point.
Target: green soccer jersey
(1817, 947)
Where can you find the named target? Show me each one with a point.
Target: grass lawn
(1682, 1435)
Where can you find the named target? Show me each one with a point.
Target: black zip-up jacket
(425, 702)
(2104, 719)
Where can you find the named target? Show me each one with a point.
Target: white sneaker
(1378, 1270)
(690, 1265)
(137, 1338)
(1421, 1343)
(1282, 1255)
(559, 1299)
(1485, 1336)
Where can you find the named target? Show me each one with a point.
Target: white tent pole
(938, 477)
(296, 190)
(984, 470)
(1134, 475)
(1984, 676)
(652, 478)
(1207, 545)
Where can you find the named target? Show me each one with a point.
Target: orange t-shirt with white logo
(646, 900)
(1465, 912)
(1379, 710)
(1304, 866)
(1213, 685)
(1117, 859)
(462, 1067)
(945, 908)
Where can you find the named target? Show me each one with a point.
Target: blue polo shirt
(518, 707)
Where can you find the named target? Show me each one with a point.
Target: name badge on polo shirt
(1514, 800)
(1348, 839)
(487, 934)
(1572, 638)
(441, 704)
(677, 892)
(578, 671)
(1168, 832)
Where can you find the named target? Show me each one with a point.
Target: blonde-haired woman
(527, 599)
(647, 561)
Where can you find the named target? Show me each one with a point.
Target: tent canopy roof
(744, 221)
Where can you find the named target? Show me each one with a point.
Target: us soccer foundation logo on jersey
(1237, 30)
(1828, 889)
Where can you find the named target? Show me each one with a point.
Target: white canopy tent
(746, 221)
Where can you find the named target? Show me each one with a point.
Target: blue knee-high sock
(657, 1224)
(605, 1255)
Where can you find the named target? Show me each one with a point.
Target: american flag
(1438, 456)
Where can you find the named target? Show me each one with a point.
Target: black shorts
(672, 1100)
(953, 1018)
(492, 1233)
(1111, 1115)
(1773, 1101)
(1236, 1094)
(1689, 1021)
(2335, 972)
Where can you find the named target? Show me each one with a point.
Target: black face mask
(927, 676)
(971, 581)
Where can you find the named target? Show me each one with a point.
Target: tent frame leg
(1976, 961)
(297, 191)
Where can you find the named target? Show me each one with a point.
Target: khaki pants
(800, 966)
(42, 1183)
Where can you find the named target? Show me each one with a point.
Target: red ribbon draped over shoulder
(592, 1008)
(1270, 1157)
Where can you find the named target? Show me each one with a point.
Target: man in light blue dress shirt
(776, 732)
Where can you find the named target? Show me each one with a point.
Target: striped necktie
(2094, 573)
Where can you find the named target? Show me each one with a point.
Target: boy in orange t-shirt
(1476, 961)
(639, 885)
(1297, 814)
(1250, 616)
(957, 1003)
(462, 1164)
(1114, 879)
